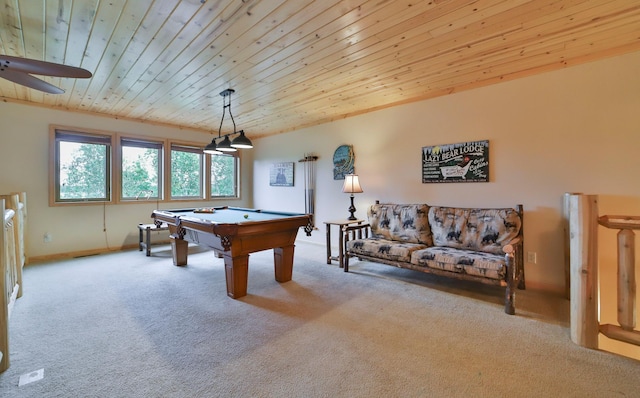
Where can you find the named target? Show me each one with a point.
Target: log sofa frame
(401, 236)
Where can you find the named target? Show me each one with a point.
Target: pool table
(233, 233)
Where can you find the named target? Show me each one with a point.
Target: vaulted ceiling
(297, 63)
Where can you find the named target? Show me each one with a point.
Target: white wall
(24, 157)
(573, 130)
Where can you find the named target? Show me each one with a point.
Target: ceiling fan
(19, 70)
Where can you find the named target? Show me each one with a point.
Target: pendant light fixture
(225, 144)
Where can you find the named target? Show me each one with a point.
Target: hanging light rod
(225, 144)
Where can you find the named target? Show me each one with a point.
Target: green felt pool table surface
(233, 214)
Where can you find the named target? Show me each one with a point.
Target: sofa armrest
(356, 231)
(352, 232)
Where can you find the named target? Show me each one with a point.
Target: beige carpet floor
(126, 325)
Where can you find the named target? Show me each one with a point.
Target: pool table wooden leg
(236, 273)
(179, 249)
(283, 262)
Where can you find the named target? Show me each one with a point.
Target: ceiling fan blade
(42, 67)
(26, 79)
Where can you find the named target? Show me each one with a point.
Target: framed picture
(461, 162)
(281, 174)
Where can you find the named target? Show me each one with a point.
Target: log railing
(8, 280)
(583, 227)
(13, 257)
(17, 201)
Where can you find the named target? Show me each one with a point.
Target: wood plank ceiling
(297, 63)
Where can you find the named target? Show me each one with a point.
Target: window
(82, 167)
(224, 175)
(141, 169)
(97, 167)
(187, 175)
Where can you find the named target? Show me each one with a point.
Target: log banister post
(583, 228)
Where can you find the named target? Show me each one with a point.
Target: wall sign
(462, 162)
(343, 159)
(281, 174)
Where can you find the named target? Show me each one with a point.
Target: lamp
(351, 185)
(241, 141)
(211, 148)
(225, 144)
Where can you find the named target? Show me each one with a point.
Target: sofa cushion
(487, 265)
(486, 230)
(400, 222)
(383, 248)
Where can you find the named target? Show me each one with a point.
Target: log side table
(340, 224)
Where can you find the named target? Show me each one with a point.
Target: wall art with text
(461, 162)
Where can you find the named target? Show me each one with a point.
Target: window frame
(90, 136)
(236, 176)
(115, 169)
(187, 148)
(141, 142)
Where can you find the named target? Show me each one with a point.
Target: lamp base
(352, 209)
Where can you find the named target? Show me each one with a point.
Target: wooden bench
(144, 231)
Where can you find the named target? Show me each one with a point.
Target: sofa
(478, 244)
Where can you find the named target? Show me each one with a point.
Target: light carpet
(127, 325)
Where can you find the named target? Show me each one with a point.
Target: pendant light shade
(241, 141)
(211, 148)
(225, 145)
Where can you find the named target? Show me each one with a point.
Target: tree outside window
(223, 175)
(141, 169)
(186, 172)
(82, 167)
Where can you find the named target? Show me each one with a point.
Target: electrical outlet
(531, 257)
(47, 237)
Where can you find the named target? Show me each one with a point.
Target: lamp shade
(351, 184)
(241, 141)
(211, 148)
(225, 145)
